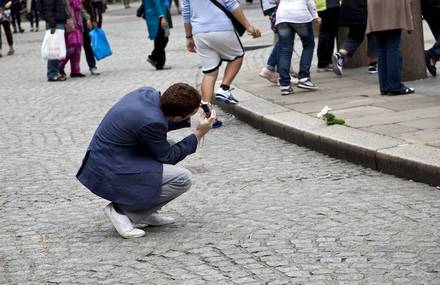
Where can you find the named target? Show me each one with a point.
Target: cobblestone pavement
(262, 211)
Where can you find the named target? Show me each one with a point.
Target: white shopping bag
(54, 45)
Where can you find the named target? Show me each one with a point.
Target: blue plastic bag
(100, 46)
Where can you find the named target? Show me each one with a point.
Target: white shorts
(215, 47)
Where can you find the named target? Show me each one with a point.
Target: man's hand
(89, 25)
(317, 21)
(190, 46)
(205, 124)
(253, 31)
(70, 25)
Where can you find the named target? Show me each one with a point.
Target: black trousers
(91, 62)
(7, 27)
(355, 37)
(431, 13)
(327, 35)
(158, 53)
(16, 17)
(97, 8)
(34, 14)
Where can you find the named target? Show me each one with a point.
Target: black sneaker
(431, 67)
(338, 63)
(217, 124)
(151, 61)
(77, 75)
(286, 90)
(372, 68)
(306, 83)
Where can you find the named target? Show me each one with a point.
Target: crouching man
(130, 161)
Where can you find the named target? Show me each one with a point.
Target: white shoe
(225, 96)
(156, 219)
(122, 223)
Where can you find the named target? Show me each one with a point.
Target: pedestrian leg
(158, 54)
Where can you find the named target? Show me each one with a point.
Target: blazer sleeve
(179, 125)
(153, 138)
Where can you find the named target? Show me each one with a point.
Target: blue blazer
(124, 161)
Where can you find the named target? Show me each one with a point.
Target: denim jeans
(389, 60)
(431, 13)
(52, 65)
(286, 32)
(272, 62)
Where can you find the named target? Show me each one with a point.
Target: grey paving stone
(254, 196)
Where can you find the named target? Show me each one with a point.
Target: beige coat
(386, 15)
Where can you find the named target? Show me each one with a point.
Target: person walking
(16, 16)
(269, 72)
(210, 33)
(55, 13)
(386, 20)
(158, 20)
(88, 24)
(131, 163)
(5, 22)
(431, 13)
(354, 15)
(33, 15)
(74, 40)
(328, 11)
(296, 17)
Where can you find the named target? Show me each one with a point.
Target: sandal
(57, 78)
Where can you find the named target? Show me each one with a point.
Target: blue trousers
(286, 32)
(389, 60)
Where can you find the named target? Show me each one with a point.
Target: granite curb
(379, 152)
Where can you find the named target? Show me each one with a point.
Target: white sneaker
(225, 96)
(122, 223)
(156, 219)
(306, 83)
(286, 90)
(338, 63)
(268, 74)
(94, 71)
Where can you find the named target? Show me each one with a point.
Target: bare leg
(344, 52)
(232, 68)
(208, 84)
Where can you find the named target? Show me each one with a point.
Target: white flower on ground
(323, 112)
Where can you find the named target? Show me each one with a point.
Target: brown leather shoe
(429, 65)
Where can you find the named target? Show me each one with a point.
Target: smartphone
(206, 109)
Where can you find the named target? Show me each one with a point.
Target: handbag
(54, 45)
(237, 25)
(100, 46)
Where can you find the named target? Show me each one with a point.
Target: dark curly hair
(180, 99)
